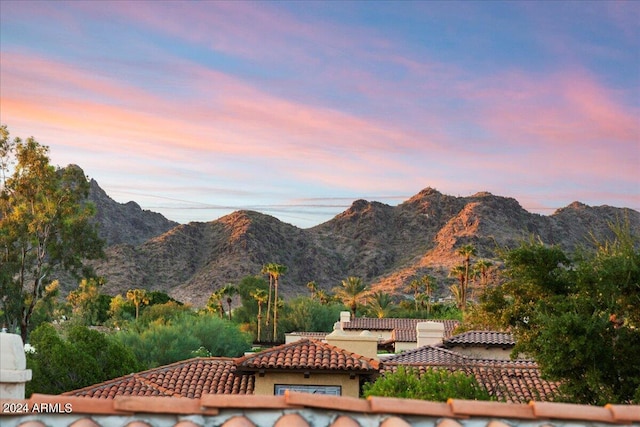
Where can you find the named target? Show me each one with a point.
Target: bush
(434, 384)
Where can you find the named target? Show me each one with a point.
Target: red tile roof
(188, 378)
(428, 355)
(305, 409)
(481, 339)
(307, 354)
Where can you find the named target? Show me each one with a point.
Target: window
(334, 390)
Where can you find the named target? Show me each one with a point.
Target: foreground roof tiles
(307, 354)
(189, 378)
(300, 409)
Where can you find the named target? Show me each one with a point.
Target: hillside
(385, 245)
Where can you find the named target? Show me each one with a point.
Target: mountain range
(387, 246)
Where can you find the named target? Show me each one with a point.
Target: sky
(297, 108)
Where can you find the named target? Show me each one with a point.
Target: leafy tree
(86, 357)
(163, 313)
(351, 292)
(138, 297)
(161, 343)
(121, 310)
(436, 385)
(85, 301)
(44, 226)
(307, 314)
(48, 308)
(578, 319)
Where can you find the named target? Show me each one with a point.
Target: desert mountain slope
(385, 245)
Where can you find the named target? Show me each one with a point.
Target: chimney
(364, 344)
(345, 317)
(429, 333)
(13, 364)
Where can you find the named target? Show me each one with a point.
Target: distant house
(482, 344)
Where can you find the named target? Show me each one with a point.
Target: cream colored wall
(265, 385)
(404, 346)
(483, 353)
(380, 335)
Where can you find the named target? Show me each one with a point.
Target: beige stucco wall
(404, 346)
(483, 353)
(265, 385)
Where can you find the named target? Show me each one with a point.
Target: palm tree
(467, 251)
(429, 287)
(229, 291)
(260, 295)
(415, 286)
(381, 304)
(277, 271)
(266, 269)
(214, 304)
(138, 297)
(482, 266)
(351, 292)
(322, 296)
(459, 291)
(313, 288)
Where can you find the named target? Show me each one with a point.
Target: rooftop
(481, 339)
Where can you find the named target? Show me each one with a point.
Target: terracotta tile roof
(428, 355)
(188, 378)
(298, 409)
(307, 354)
(314, 335)
(481, 339)
(389, 324)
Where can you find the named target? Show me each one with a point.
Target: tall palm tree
(260, 295)
(429, 283)
(351, 292)
(266, 269)
(459, 290)
(467, 251)
(277, 270)
(229, 291)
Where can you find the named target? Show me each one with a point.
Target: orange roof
(301, 409)
(307, 354)
(188, 378)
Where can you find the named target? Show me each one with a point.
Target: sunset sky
(296, 109)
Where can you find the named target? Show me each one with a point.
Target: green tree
(44, 226)
(437, 385)
(351, 292)
(578, 319)
(161, 343)
(459, 290)
(138, 297)
(214, 304)
(120, 311)
(85, 301)
(85, 357)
